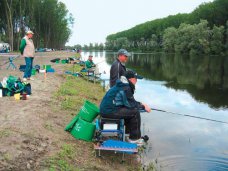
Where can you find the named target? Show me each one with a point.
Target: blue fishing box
(50, 70)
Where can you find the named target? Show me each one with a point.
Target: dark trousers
(28, 68)
(132, 121)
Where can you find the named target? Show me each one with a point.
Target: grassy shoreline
(77, 154)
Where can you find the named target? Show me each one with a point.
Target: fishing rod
(198, 117)
(99, 62)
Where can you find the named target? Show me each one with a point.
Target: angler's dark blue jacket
(120, 95)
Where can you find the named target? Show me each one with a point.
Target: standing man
(118, 68)
(27, 50)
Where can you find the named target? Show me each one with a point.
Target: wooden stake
(45, 75)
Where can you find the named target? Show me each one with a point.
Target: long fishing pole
(198, 117)
(99, 62)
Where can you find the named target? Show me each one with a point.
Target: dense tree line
(196, 38)
(48, 19)
(205, 30)
(90, 47)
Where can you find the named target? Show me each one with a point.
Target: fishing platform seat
(88, 71)
(116, 146)
(110, 136)
(92, 74)
(107, 128)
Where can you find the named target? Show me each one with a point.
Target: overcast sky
(95, 19)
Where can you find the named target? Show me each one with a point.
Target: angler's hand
(147, 108)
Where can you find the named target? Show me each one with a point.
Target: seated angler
(89, 64)
(119, 103)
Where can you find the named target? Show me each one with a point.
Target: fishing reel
(145, 138)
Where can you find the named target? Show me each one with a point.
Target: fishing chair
(110, 136)
(107, 128)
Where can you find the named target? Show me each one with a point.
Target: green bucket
(83, 130)
(89, 111)
(33, 71)
(72, 123)
(46, 67)
(63, 61)
(57, 62)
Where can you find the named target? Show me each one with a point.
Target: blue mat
(120, 146)
(68, 72)
(50, 70)
(84, 70)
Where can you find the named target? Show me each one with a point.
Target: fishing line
(99, 62)
(197, 117)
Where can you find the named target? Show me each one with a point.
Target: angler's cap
(123, 52)
(131, 74)
(29, 32)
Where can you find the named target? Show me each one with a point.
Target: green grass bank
(76, 154)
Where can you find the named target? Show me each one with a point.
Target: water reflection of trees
(204, 77)
(200, 71)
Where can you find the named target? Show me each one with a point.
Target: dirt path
(30, 129)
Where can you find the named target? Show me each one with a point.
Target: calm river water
(193, 85)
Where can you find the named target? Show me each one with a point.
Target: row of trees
(91, 46)
(197, 38)
(48, 19)
(185, 33)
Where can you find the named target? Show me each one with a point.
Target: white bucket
(42, 70)
(0, 92)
